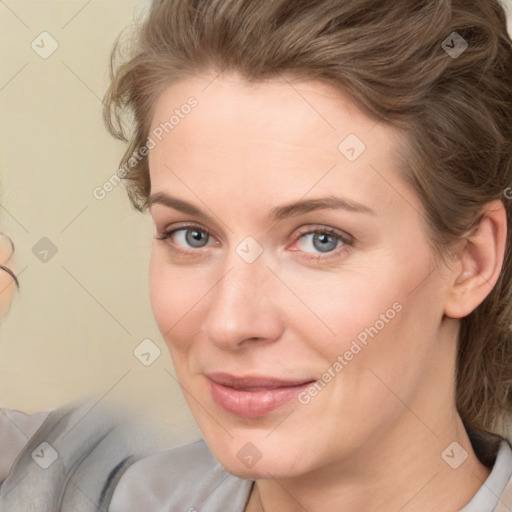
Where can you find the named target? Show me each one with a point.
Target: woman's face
(255, 307)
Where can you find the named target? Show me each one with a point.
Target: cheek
(388, 356)
(177, 296)
(166, 295)
(354, 305)
(378, 321)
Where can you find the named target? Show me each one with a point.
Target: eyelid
(347, 239)
(170, 231)
(320, 228)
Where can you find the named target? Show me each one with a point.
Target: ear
(479, 265)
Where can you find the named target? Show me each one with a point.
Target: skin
(7, 284)
(372, 439)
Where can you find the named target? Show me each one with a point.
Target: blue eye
(194, 236)
(325, 240)
(322, 241)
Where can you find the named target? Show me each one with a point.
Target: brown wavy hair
(388, 57)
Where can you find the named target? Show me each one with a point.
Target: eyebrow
(276, 213)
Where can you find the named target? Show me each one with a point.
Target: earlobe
(480, 263)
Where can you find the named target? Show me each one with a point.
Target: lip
(253, 396)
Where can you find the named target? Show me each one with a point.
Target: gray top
(66, 460)
(188, 478)
(100, 464)
(16, 428)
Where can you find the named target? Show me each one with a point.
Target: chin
(261, 470)
(257, 460)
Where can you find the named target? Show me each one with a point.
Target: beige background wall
(74, 325)
(79, 315)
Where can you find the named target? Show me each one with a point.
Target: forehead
(270, 134)
(299, 113)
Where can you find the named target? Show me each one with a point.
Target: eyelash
(348, 242)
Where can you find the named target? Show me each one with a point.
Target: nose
(245, 305)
